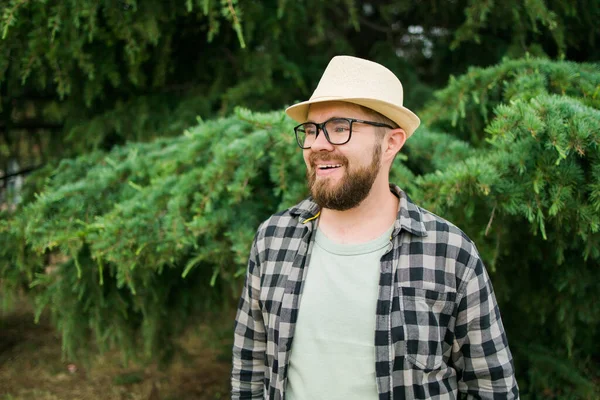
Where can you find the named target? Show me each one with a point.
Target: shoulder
(287, 224)
(440, 230)
(446, 241)
(277, 224)
(428, 228)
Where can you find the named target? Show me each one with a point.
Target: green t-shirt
(333, 350)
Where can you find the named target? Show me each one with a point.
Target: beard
(353, 187)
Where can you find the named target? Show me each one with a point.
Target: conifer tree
(80, 75)
(156, 235)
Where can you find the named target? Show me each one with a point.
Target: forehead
(322, 111)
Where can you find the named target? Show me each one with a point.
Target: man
(356, 292)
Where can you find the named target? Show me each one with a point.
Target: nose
(321, 143)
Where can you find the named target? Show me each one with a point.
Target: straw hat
(363, 82)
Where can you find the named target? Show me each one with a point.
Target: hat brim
(406, 119)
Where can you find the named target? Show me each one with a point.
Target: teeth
(330, 166)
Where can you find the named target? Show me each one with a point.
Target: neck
(369, 220)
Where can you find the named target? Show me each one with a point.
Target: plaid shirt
(438, 331)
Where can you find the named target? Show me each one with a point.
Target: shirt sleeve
(480, 351)
(249, 343)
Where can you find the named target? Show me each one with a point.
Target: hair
(378, 117)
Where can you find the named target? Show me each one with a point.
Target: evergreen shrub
(157, 234)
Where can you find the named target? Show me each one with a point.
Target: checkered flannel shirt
(438, 331)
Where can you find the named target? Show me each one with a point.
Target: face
(340, 177)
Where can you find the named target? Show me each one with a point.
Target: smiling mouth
(329, 166)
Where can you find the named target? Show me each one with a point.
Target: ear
(394, 142)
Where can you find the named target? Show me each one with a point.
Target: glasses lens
(338, 130)
(306, 134)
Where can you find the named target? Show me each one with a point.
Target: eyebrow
(335, 116)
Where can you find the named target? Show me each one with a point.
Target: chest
(405, 263)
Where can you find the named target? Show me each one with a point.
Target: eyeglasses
(337, 131)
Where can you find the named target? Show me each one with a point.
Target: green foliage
(470, 100)
(81, 75)
(156, 234)
(527, 16)
(18, 262)
(154, 231)
(530, 200)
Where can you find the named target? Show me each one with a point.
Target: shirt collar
(409, 217)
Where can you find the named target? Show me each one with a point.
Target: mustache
(314, 157)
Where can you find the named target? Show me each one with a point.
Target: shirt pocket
(426, 315)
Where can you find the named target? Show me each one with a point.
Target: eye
(338, 126)
(310, 129)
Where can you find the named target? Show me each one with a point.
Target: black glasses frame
(321, 127)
